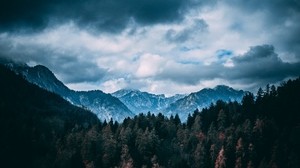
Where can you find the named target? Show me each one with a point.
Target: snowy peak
(123, 92)
(142, 102)
(225, 92)
(202, 99)
(104, 105)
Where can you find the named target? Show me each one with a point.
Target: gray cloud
(189, 74)
(199, 26)
(67, 65)
(184, 50)
(261, 63)
(76, 70)
(259, 66)
(112, 15)
(279, 9)
(280, 19)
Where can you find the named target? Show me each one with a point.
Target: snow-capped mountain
(126, 102)
(142, 102)
(105, 106)
(202, 99)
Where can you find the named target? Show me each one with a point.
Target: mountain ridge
(104, 105)
(142, 102)
(127, 102)
(203, 98)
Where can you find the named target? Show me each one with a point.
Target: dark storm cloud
(279, 9)
(108, 15)
(260, 65)
(68, 66)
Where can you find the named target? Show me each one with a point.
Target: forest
(40, 129)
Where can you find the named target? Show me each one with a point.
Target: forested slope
(32, 122)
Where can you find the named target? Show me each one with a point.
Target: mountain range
(142, 102)
(202, 99)
(104, 105)
(125, 102)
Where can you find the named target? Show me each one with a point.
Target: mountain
(33, 121)
(105, 106)
(126, 102)
(41, 76)
(20, 96)
(142, 102)
(202, 99)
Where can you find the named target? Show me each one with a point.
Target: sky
(159, 46)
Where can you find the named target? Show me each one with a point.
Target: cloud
(68, 63)
(260, 65)
(187, 33)
(149, 65)
(277, 21)
(171, 46)
(109, 16)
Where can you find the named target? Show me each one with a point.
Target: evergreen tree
(221, 159)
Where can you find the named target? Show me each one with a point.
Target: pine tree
(239, 153)
(221, 159)
(126, 160)
(222, 121)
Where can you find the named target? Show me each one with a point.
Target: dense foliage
(40, 130)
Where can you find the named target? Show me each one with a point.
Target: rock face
(202, 99)
(142, 102)
(105, 106)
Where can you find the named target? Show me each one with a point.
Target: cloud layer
(100, 15)
(157, 46)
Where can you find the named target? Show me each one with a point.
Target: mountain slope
(203, 98)
(19, 95)
(33, 120)
(104, 105)
(142, 102)
(43, 77)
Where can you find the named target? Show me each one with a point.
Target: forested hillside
(262, 131)
(39, 129)
(33, 121)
